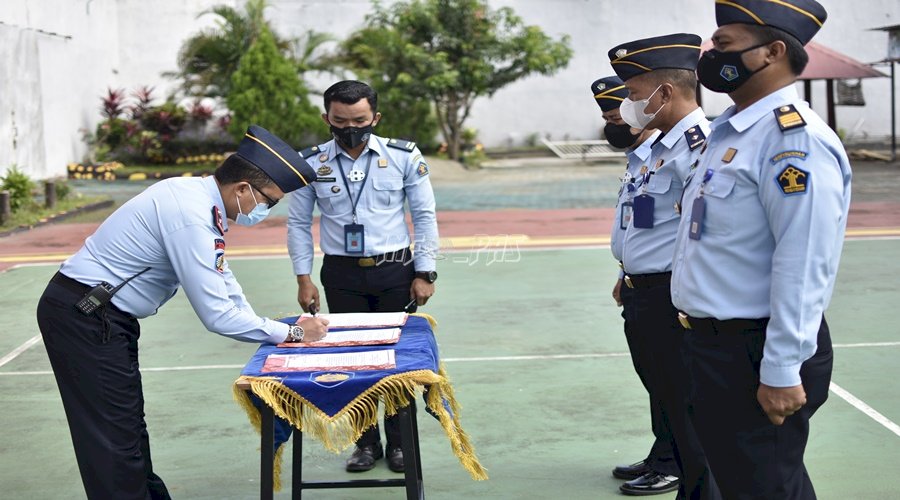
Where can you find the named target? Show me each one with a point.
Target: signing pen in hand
(313, 308)
(411, 303)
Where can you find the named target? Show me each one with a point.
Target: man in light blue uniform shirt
(170, 235)
(659, 75)
(757, 253)
(364, 181)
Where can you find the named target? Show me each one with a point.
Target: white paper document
(366, 360)
(364, 320)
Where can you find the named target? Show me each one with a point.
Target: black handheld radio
(100, 295)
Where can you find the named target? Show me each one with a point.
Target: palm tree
(207, 59)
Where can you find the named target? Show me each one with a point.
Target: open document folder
(346, 338)
(363, 320)
(343, 361)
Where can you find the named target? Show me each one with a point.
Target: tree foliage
(266, 90)
(207, 59)
(449, 52)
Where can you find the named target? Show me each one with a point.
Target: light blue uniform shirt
(170, 228)
(776, 211)
(395, 175)
(636, 157)
(650, 250)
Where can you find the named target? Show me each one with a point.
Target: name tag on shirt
(643, 211)
(354, 239)
(698, 211)
(625, 211)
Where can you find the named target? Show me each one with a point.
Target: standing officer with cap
(363, 183)
(757, 253)
(659, 75)
(609, 93)
(168, 236)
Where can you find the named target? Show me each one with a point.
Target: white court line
(841, 392)
(866, 409)
(19, 350)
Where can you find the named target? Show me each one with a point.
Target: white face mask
(633, 111)
(259, 212)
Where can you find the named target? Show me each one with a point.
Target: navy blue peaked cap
(799, 18)
(609, 92)
(287, 169)
(677, 51)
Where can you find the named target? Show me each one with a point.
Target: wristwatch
(429, 276)
(295, 334)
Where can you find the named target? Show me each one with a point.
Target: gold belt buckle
(683, 319)
(366, 262)
(628, 281)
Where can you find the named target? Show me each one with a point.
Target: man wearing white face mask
(659, 75)
(170, 235)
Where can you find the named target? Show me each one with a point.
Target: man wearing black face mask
(362, 185)
(757, 252)
(659, 75)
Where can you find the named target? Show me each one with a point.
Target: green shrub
(266, 90)
(63, 190)
(20, 187)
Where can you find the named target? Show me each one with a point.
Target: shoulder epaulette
(306, 153)
(788, 118)
(407, 146)
(694, 137)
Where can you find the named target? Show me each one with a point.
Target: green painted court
(533, 344)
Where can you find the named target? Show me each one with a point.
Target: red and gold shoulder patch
(217, 220)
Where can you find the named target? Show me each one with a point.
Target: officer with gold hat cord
(364, 182)
(659, 75)
(757, 253)
(169, 236)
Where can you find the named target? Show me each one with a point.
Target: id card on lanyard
(355, 233)
(698, 208)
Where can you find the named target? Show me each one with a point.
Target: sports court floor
(533, 344)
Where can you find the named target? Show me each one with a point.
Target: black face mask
(725, 71)
(619, 136)
(351, 137)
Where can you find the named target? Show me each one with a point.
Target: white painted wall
(53, 81)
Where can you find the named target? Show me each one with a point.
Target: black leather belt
(69, 284)
(80, 289)
(718, 326)
(647, 280)
(400, 256)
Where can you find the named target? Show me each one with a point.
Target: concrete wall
(52, 82)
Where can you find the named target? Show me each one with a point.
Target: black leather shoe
(651, 483)
(364, 458)
(395, 459)
(632, 471)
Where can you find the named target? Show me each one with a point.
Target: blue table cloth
(337, 406)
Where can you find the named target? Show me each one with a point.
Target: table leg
(297, 466)
(410, 441)
(267, 453)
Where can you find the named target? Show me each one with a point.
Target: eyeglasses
(269, 201)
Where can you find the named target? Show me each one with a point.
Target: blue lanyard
(347, 185)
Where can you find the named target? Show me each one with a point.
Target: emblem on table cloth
(793, 180)
(329, 379)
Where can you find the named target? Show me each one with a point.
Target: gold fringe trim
(339, 432)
